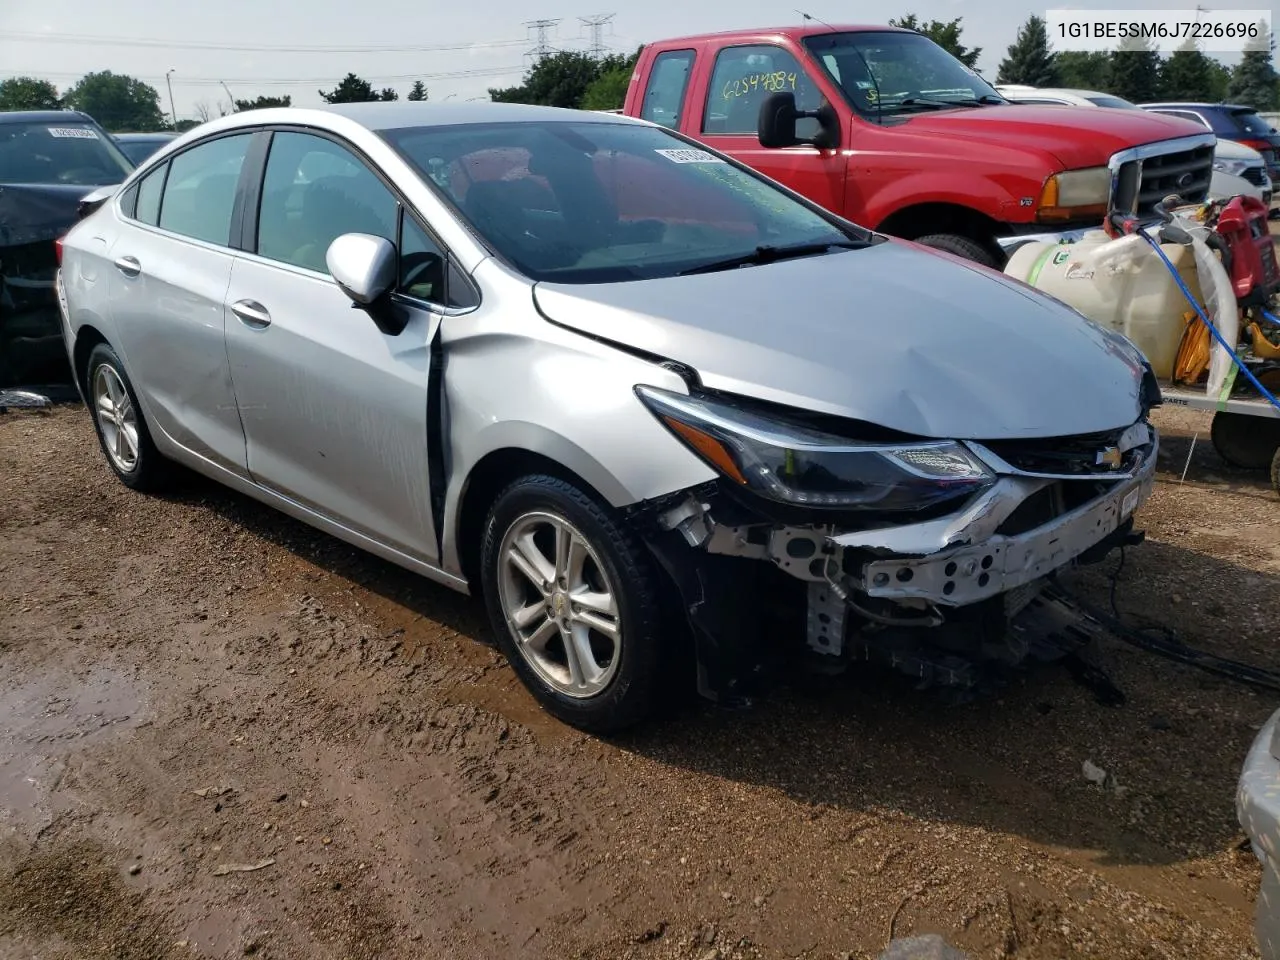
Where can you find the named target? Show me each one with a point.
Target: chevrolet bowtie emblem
(1110, 457)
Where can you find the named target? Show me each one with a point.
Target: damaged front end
(930, 557)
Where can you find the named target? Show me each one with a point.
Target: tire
(610, 685)
(1247, 443)
(106, 385)
(1275, 471)
(961, 247)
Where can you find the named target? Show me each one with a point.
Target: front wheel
(575, 603)
(961, 247)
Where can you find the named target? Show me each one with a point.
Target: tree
(28, 93)
(118, 102)
(264, 103)
(1219, 80)
(1187, 74)
(1083, 71)
(1253, 82)
(352, 89)
(419, 91)
(608, 91)
(945, 33)
(1030, 61)
(1134, 71)
(556, 80)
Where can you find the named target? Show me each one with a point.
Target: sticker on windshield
(73, 133)
(689, 155)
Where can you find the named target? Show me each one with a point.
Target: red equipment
(1251, 258)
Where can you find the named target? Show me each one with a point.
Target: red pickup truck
(884, 127)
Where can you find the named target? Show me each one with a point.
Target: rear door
(169, 270)
(741, 78)
(334, 399)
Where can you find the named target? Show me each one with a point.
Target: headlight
(1075, 194)
(1235, 168)
(794, 464)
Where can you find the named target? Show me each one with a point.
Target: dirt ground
(224, 734)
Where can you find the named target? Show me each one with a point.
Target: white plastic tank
(1120, 284)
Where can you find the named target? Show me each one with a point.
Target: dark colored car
(1231, 121)
(138, 146)
(50, 160)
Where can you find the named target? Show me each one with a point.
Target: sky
(298, 47)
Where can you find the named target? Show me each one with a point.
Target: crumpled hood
(895, 334)
(1078, 136)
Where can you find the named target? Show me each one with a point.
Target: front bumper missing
(998, 564)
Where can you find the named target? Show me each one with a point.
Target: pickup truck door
(725, 110)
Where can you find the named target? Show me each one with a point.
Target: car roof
(793, 31)
(1187, 104)
(390, 115)
(44, 116)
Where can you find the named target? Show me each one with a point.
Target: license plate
(1130, 502)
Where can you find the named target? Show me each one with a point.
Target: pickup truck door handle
(129, 266)
(251, 313)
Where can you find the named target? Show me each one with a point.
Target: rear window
(61, 152)
(1250, 122)
(1113, 102)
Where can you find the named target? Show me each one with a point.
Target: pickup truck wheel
(961, 247)
(1245, 442)
(575, 604)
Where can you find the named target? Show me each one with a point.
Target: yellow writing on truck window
(773, 82)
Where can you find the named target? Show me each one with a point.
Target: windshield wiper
(766, 253)
(986, 100)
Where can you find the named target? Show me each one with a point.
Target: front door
(334, 406)
(741, 79)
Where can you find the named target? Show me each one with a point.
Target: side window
(1185, 115)
(150, 188)
(200, 192)
(743, 77)
(425, 273)
(314, 191)
(668, 80)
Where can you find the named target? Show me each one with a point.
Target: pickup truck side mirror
(776, 127)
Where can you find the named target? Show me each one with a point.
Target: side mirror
(776, 126)
(364, 266)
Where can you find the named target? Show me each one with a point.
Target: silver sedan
(670, 418)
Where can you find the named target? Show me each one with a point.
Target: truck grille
(1142, 183)
(1255, 175)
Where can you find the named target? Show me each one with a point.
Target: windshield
(1116, 102)
(890, 73)
(61, 152)
(598, 202)
(1250, 122)
(138, 149)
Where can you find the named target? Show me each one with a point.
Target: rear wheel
(961, 247)
(575, 604)
(121, 427)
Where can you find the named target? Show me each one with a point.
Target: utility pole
(542, 47)
(173, 114)
(230, 99)
(596, 25)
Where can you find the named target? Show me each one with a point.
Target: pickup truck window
(668, 80)
(886, 73)
(743, 77)
(603, 202)
(65, 151)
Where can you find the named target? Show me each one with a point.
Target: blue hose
(1272, 317)
(1173, 271)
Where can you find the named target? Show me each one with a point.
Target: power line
(180, 80)
(542, 47)
(596, 25)
(250, 48)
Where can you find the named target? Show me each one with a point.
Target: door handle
(251, 313)
(129, 266)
